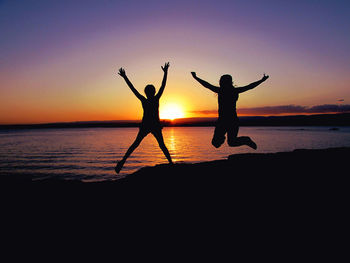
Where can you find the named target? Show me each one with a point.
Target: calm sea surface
(90, 154)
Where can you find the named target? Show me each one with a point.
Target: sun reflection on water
(171, 144)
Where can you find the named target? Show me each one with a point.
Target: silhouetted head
(226, 81)
(150, 90)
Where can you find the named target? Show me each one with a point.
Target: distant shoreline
(340, 119)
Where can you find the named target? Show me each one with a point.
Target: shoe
(119, 166)
(252, 144)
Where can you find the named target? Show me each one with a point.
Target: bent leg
(242, 140)
(219, 135)
(142, 134)
(159, 137)
(235, 141)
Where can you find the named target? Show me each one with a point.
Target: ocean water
(90, 154)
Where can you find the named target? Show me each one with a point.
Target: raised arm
(165, 69)
(205, 84)
(252, 85)
(123, 75)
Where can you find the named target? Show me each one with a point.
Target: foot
(252, 144)
(119, 166)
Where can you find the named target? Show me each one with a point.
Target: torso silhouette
(227, 99)
(150, 119)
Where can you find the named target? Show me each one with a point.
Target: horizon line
(136, 121)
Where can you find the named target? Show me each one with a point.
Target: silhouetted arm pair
(252, 85)
(205, 84)
(137, 94)
(240, 89)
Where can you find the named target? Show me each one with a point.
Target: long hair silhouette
(227, 121)
(150, 120)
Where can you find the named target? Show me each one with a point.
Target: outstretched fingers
(122, 72)
(165, 67)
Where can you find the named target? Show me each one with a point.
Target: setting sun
(171, 112)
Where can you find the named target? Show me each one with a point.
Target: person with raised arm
(228, 120)
(150, 120)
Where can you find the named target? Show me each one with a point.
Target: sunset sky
(59, 59)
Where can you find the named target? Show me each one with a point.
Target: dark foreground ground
(301, 179)
(309, 176)
(293, 204)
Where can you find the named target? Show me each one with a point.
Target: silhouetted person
(150, 120)
(228, 120)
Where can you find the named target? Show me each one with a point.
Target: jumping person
(150, 120)
(228, 120)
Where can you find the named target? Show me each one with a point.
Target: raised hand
(265, 77)
(122, 72)
(194, 74)
(166, 66)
